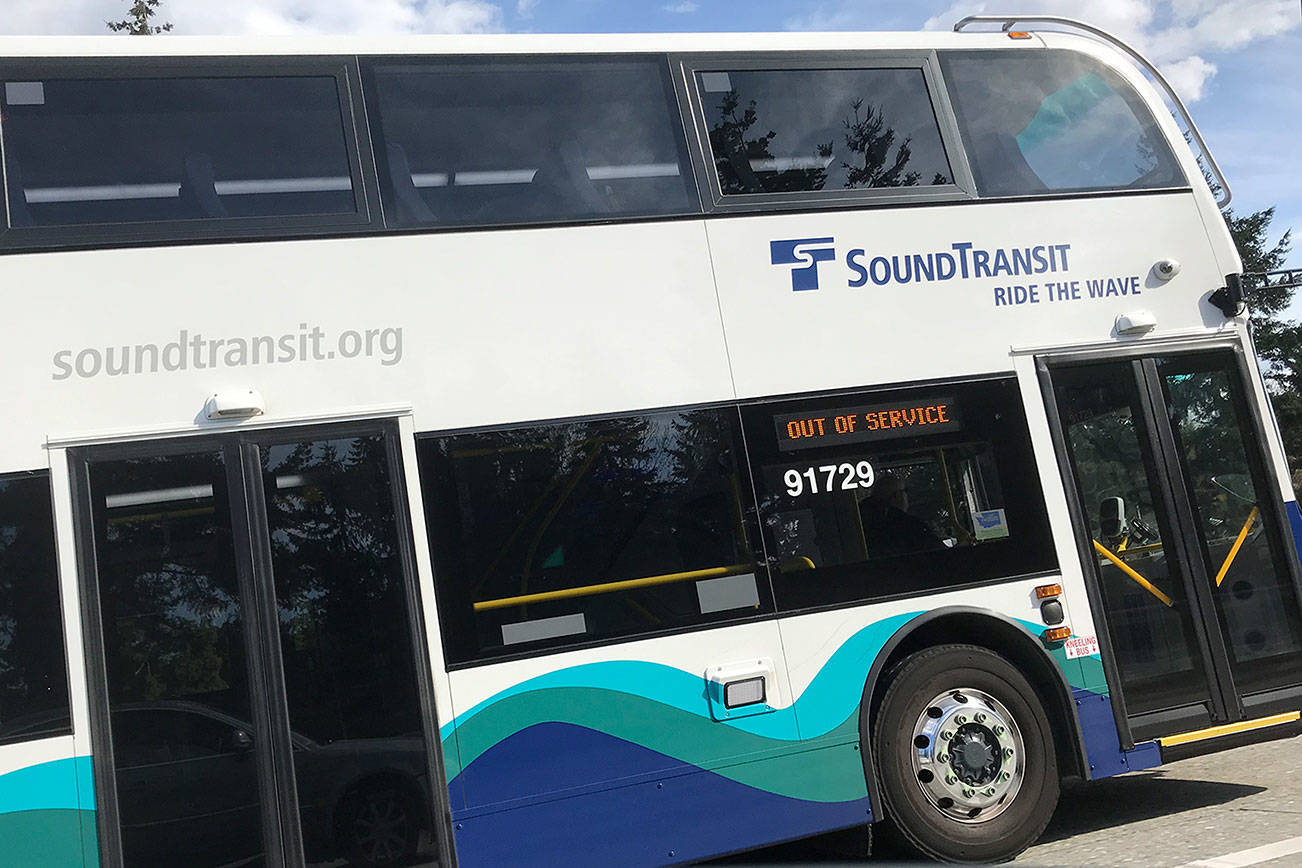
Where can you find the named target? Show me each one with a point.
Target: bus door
(1179, 522)
(259, 684)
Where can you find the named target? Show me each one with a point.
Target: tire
(379, 825)
(965, 756)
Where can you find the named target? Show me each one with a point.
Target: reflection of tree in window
(334, 556)
(734, 154)
(746, 163)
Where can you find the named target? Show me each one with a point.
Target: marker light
(1018, 34)
(746, 692)
(1056, 634)
(1044, 591)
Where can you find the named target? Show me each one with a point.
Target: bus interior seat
(19, 213)
(198, 191)
(1006, 169)
(411, 207)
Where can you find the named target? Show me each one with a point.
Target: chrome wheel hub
(968, 755)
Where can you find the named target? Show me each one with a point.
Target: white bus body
(410, 353)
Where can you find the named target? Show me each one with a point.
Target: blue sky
(1234, 61)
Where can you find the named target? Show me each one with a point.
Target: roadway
(1233, 809)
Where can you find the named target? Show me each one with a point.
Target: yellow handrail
(1234, 549)
(1136, 577)
(612, 587)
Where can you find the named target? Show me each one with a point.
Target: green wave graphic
(47, 839)
(804, 772)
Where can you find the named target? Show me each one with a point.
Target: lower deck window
(890, 493)
(33, 674)
(566, 533)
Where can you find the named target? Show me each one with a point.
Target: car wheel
(379, 826)
(965, 756)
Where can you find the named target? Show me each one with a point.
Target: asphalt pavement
(1233, 809)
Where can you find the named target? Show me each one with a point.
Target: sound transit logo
(804, 254)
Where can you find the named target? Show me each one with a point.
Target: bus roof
(460, 44)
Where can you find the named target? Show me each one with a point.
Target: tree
(1278, 341)
(137, 21)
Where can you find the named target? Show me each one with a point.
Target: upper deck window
(806, 130)
(130, 150)
(1042, 121)
(529, 141)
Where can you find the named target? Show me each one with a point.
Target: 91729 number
(828, 477)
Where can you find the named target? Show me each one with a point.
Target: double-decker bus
(614, 450)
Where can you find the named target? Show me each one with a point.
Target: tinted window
(525, 142)
(33, 676)
(141, 149)
(902, 492)
(568, 533)
(785, 131)
(1053, 120)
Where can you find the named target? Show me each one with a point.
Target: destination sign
(865, 424)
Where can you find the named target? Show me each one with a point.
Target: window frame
(371, 121)
(342, 68)
(454, 622)
(57, 717)
(713, 200)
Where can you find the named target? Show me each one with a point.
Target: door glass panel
(1148, 611)
(174, 633)
(346, 640)
(1256, 601)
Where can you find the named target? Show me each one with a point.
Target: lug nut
(999, 729)
(942, 758)
(989, 791)
(968, 793)
(946, 734)
(960, 719)
(980, 717)
(1005, 776)
(1008, 753)
(951, 779)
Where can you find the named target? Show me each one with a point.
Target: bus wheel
(965, 756)
(379, 827)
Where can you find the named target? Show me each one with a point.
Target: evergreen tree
(137, 21)
(1278, 340)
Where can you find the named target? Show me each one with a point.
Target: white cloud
(525, 8)
(683, 8)
(263, 17)
(1174, 34)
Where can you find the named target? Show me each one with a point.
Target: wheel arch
(987, 629)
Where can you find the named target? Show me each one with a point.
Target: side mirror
(1112, 518)
(241, 741)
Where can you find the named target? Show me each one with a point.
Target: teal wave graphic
(666, 710)
(46, 786)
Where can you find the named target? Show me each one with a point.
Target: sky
(1234, 62)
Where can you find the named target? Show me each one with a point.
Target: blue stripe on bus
(1295, 522)
(1098, 727)
(683, 815)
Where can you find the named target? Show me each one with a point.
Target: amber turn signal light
(1044, 591)
(1056, 634)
